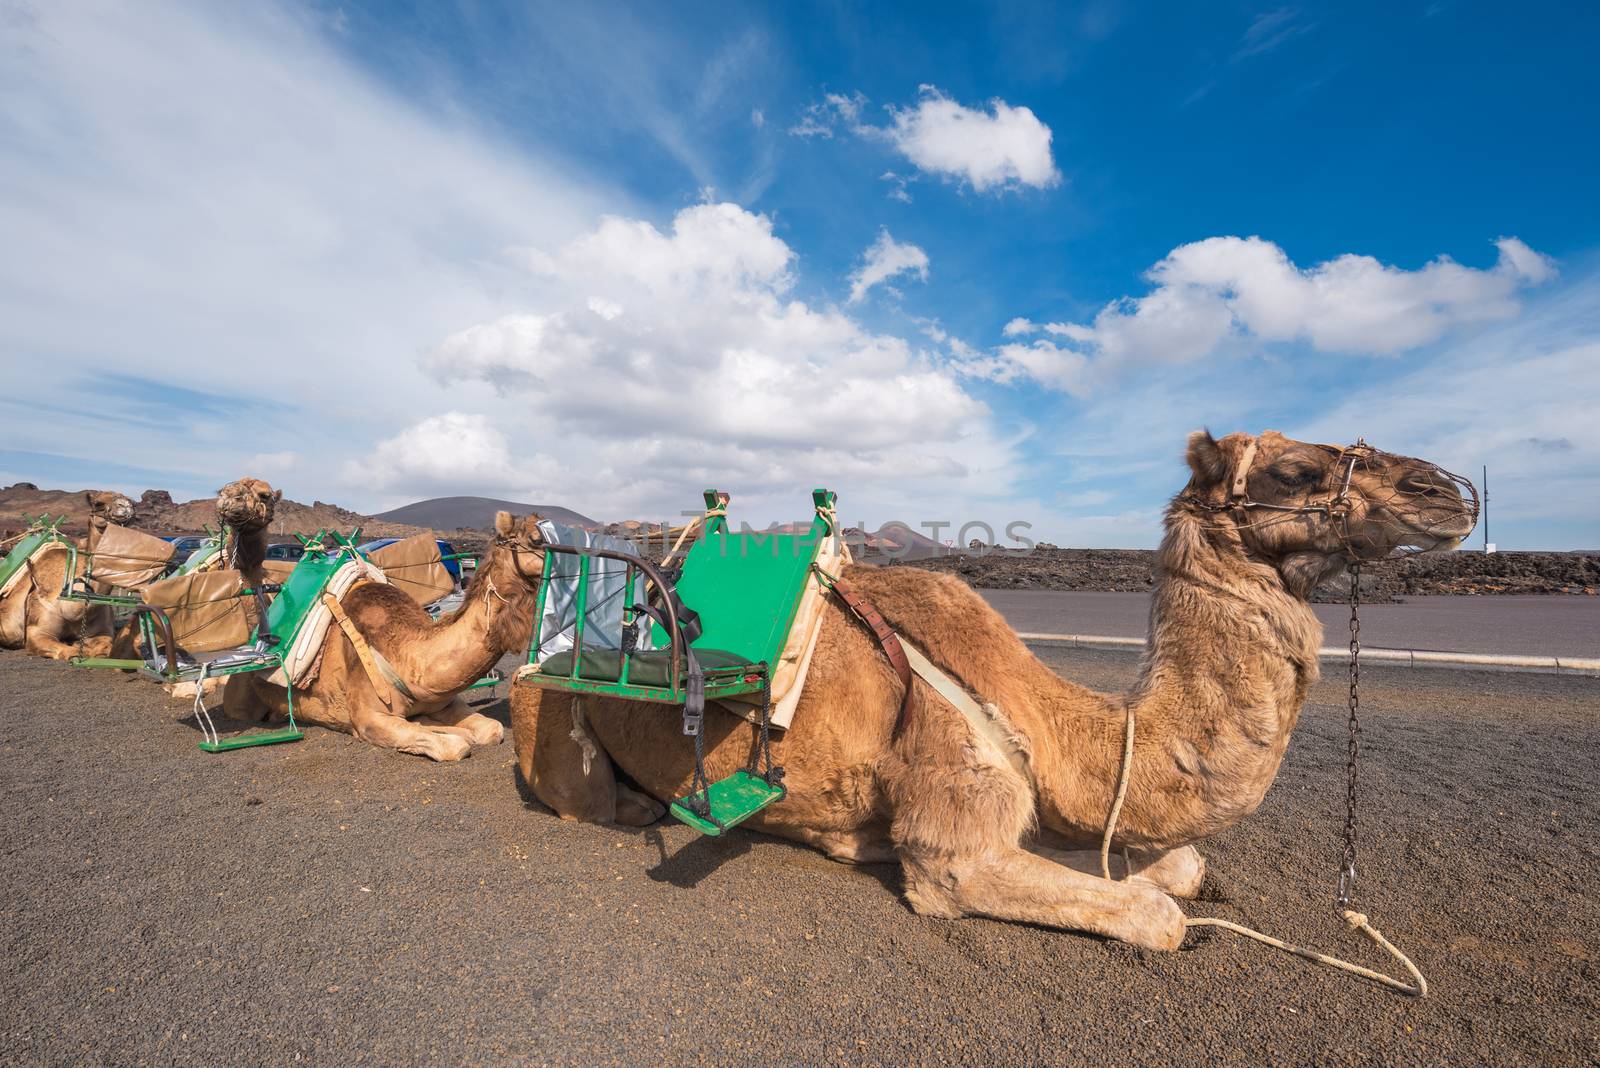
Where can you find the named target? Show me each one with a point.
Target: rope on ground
(1357, 920)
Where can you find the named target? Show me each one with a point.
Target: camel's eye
(1295, 476)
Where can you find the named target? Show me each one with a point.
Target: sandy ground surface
(1520, 625)
(327, 902)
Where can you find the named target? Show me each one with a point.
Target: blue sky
(958, 263)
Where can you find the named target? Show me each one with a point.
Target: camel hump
(930, 608)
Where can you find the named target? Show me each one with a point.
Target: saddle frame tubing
(650, 571)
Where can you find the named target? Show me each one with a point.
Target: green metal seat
(41, 531)
(650, 668)
(745, 589)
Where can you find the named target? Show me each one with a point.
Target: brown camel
(437, 660)
(32, 615)
(982, 832)
(245, 508)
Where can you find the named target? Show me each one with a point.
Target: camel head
(248, 504)
(523, 543)
(107, 507)
(1313, 510)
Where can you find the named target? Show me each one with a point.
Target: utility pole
(1486, 508)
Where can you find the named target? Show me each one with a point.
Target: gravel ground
(330, 902)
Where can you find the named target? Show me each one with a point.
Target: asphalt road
(327, 902)
(1523, 626)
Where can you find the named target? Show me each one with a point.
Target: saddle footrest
(731, 801)
(245, 741)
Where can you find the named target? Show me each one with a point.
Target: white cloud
(261, 204)
(884, 259)
(1228, 287)
(758, 118)
(1518, 397)
(716, 374)
(1003, 147)
(834, 109)
(450, 453)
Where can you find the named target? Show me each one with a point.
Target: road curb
(1548, 665)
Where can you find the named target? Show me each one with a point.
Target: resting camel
(1233, 652)
(437, 660)
(245, 509)
(32, 615)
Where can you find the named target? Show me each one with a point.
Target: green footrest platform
(245, 741)
(106, 662)
(733, 800)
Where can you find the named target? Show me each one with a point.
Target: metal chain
(1347, 864)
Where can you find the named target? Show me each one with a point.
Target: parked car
(184, 545)
(446, 550)
(286, 550)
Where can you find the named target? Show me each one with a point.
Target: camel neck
(496, 615)
(246, 551)
(1231, 657)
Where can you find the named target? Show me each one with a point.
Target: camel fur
(437, 660)
(33, 616)
(1232, 655)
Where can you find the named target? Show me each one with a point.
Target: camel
(436, 660)
(981, 832)
(245, 509)
(32, 615)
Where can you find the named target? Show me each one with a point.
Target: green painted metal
(732, 801)
(207, 550)
(106, 662)
(290, 733)
(300, 591)
(254, 738)
(487, 680)
(37, 536)
(747, 587)
(649, 669)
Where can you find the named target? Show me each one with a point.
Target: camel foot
(446, 748)
(637, 810)
(1022, 886)
(97, 646)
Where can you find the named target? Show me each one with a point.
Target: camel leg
(960, 814)
(42, 639)
(241, 702)
(848, 847)
(372, 722)
(1178, 872)
(479, 728)
(566, 767)
(1018, 885)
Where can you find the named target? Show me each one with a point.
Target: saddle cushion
(129, 559)
(651, 668)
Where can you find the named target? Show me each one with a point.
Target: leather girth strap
(865, 611)
(385, 680)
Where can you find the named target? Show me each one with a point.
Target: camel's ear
(504, 524)
(1206, 459)
(277, 495)
(88, 498)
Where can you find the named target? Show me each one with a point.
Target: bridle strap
(1242, 472)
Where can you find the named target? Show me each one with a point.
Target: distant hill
(477, 513)
(156, 511)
